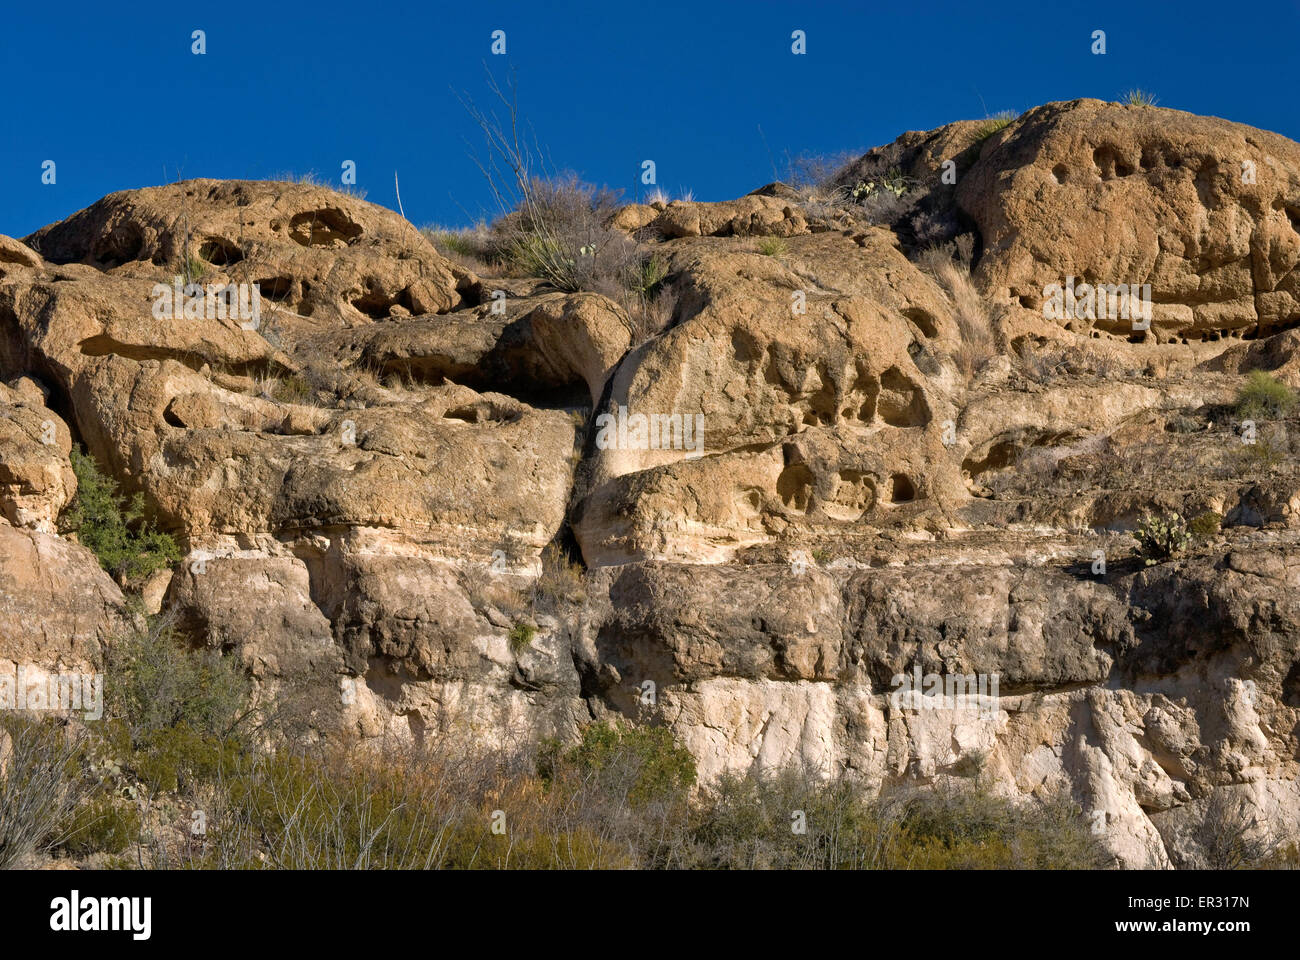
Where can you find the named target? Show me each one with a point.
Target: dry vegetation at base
(179, 737)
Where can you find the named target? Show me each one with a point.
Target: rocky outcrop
(1209, 207)
(845, 466)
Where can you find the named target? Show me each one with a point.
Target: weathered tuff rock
(36, 479)
(1209, 209)
(367, 484)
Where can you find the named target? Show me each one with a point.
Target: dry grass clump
(950, 265)
(1051, 361)
(991, 125)
(561, 580)
(42, 780)
(471, 247)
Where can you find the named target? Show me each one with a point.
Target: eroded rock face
(57, 607)
(891, 472)
(317, 252)
(819, 416)
(1208, 208)
(36, 479)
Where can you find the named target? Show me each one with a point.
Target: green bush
(794, 819)
(520, 636)
(645, 761)
(991, 125)
(788, 819)
(772, 247)
(127, 545)
(104, 825)
(1162, 538)
(156, 680)
(292, 389)
(967, 829)
(1264, 397)
(1205, 525)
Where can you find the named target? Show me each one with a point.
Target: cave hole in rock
(483, 411)
(924, 320)
(171, 417)
(377, 304)
(901, 489)
(900, 402)
(326, 227)
(117, 247)
(220, 252)
(276, 288)
(794, 487)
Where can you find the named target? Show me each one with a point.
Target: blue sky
(113, 94)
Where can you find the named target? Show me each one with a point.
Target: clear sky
(112, 93)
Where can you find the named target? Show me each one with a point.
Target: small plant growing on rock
(1264, 397)
(1162, 538)
(560, 581)
(521, 636)
(292, 389)
(1260, 457)
(114, 528)
(772, 247)
(1205, 525)
(991, 125)
(1139, 98)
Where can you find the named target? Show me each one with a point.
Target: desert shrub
(156, 680)
(173, 711)
(521, 636)
(1260, 457)
(968, 828)
(114, 528)
(750, 823)
(558, 231)
(470, 243)
(1264, 397)
(651, 315)
(1139, 98)
(1179, 423)
(1205, 525)
(292, 389)
(102, 825)
(645, 763)
(991, 125)
(561, 580)
(42, 780)
(816, 175)
(1228, 839)
(295, 810)
(402, 808)
(1162, 538)
(772, 247)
